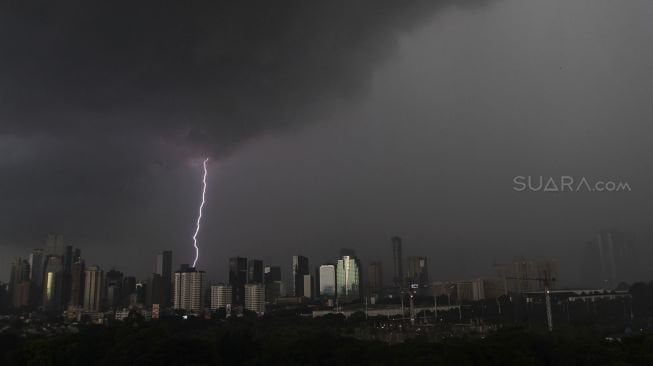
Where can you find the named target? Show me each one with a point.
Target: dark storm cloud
(102, 104)
(210, 72)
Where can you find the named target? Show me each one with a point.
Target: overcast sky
(329, 124)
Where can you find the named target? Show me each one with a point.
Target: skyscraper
(397, 261)
(93, 286)
(308, 290)
(19, 283)
(272, 273)
(37, 264)
(418, 272)
(348, 276)
(221, 296)
(374, 278)
(273, 284)
(238, 279)
(164, 269)
(299, 270)
(155, 290)
(189, 289)
(128, 289)
(255, 298)
(55, 245)
(77, 283)
(255, 271)
(327, 287)
(53, 283)
(114, 288)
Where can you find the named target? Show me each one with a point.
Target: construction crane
(546, 281)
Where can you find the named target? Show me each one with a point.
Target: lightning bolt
(199, 216)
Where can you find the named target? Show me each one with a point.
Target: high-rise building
(22, 294)
(19, 283)
(164, 269)
(37, 264)
(55, 245)
(155, 290)
(255, 298)
(77, 283)
(273, 284)
(308, 286)
(255, 271)
(128, 288)
(238, 279)
(221, 296)
(189, 289)
(93, 288)
(348, 276)
(327, 288)
(53, 277)
(299, 270)
(69, 258)
(418, 274)
(374, 278)
(272, 273)
(397, 261)
(140, 294)
(113, 285)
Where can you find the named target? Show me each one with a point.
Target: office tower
(93, 288)
(271, 274)
(156, 290)
(397, 261)
(308, 286)
(164, 264)
(189, 289)
(164, 269)
(299, 270)
(77, 283)
(37, 264)
(374, 278)
(19, 282)
(608, 260)
(255, 271)
(418, 275)
(139, 295)
(113, 285)
(128, 289)
(238, 279)
(66, 284)
(221, 297)
(255, 298)
(55, 245)
(53, 283)
(22, 294)
(273, 284)
(327, 283)
(348, 275)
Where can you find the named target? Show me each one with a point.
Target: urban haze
(334, 130)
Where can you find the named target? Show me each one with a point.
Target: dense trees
(296, 341)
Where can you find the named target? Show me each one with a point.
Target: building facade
(188, 289)
(348, 279)
(93, 288)
(221, 296)
(255, 298)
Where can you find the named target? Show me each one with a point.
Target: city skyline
(404, 133)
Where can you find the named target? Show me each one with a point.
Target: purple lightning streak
(199, 216)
